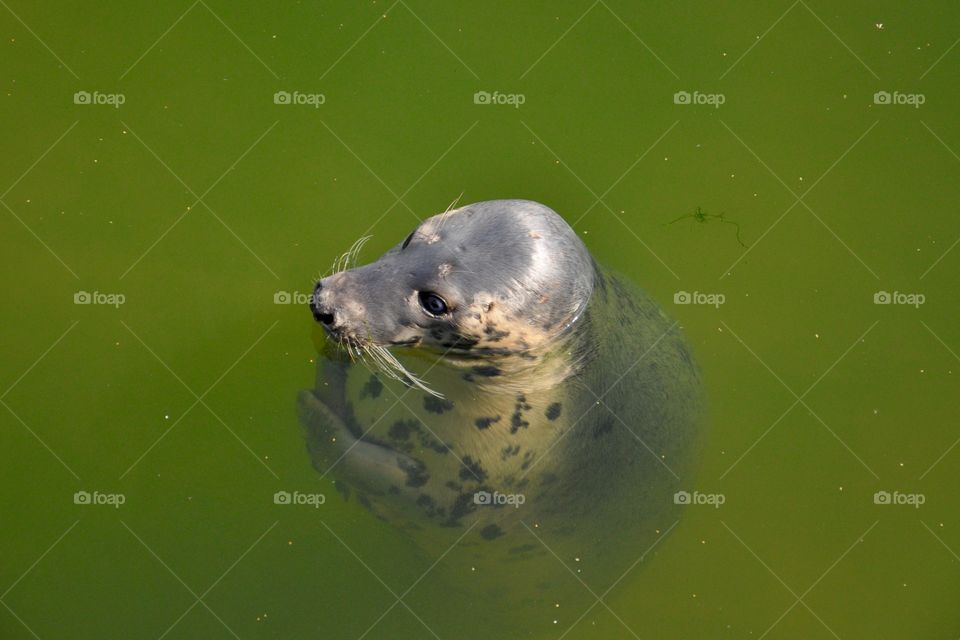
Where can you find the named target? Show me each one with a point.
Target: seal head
(496, 277)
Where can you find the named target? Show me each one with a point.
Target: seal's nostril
(320, 313)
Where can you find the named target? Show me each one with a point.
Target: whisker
(355, 250)
(446, 213)
(455, 202)
(399, 369)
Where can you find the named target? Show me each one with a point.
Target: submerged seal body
(527, 404)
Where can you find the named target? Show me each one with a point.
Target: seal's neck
(526, 372)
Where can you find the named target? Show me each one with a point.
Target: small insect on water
(702, 216)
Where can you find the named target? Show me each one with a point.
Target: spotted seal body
(551, 407)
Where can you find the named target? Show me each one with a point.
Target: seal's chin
(348, 341)
(343, 337)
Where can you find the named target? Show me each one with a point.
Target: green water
(199, 198)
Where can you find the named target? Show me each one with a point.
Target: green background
(200, 198)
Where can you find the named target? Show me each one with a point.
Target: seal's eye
(432, 303)
(407, 241)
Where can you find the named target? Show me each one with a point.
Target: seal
(518, 398)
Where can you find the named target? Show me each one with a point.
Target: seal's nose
(320, 312)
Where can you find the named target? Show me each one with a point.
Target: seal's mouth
(371, 354)
(412, 342)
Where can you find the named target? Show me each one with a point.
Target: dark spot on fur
(428, 441)
(372, 388)
(493, 334)
(416, 471)
(486, 370)
(484, 422)
(527, 460)
(517, 422)
(524, 548)
(508, 452)
(468, 377)
(436, 405)
(464, 342)
(462, 506)
(364, 501)
(428, 504)
(400, 430)
(553, 411)
(472, 470)
(491, 532)
(400, 434)
(603, 428)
